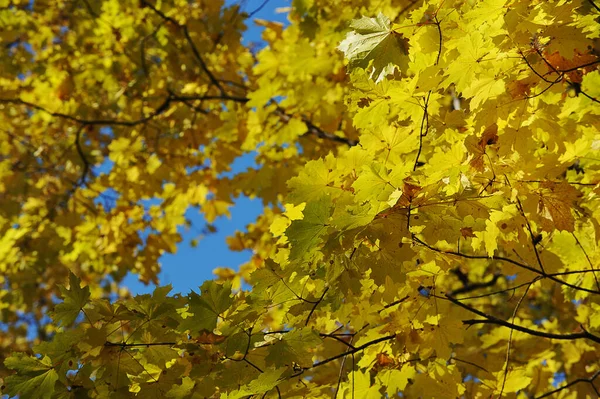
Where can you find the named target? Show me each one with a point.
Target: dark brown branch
(570, 384)
(349, 345)
(536, 72)
(440, 40)
(126, 345)
(558, 182)
(253, 365)
(509, 345)
(399, 301)
(423, 130)
(349, 352)
(408, 7)
(164, 106)
(588, 259)
(320, 133)
(188, 38)
(489, 319)
(341, 374)
(469, 287)
(531, 236)
(299, 297)
(90, 9)
(581, 66)
(257, 9)
(314, 129)
(206, 98)
(470, 363)
(588, 96)
(513, 288)
(508, 260)
(425, 119)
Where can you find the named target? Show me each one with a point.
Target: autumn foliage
(430, 174)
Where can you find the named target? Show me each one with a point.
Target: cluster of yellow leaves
(438, 162)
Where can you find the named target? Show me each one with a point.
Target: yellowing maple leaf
(373, 42)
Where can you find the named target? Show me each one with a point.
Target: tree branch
(551, 276)
(164, 106)
(489, 319)
(570, 384)
(188, 38)
(126, 345)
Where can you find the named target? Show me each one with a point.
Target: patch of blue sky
(270, 10)
(190, 266)
(241, 164)
(471, 377)
(186, 269)
(558, 379)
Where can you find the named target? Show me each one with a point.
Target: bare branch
(570, 384)
(489, 319)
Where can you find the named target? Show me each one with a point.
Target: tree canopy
(430, 175)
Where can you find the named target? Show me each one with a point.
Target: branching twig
(588, 260)
(510, 335)
(551, 276)
(489, 319)
(469, 287)
(126, 345)
(314, 129)
(570, 384)
(188, 38)
(597, 8)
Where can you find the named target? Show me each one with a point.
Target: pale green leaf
(373, 40)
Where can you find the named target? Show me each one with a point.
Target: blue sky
(189, 267)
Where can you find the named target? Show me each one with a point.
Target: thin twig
(510, 335)
(315, 306)
(489, 319)
(570, 384)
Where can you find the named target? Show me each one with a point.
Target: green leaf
(591, 84)
(372, 40)
(305, 234)
(35, 379)
(74, 299)
(27, 364)
(214, 299)
(264, 383)
(294, 347)
(394, 380)
(183, 390)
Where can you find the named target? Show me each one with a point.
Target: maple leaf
(556, 203)
(396, 381)
(264, 383)
(209, 338)
(306, 233)
(373, 42)
(36, 377)
(74, 299)
(293, 347)
(477, 148)
(207, 307)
